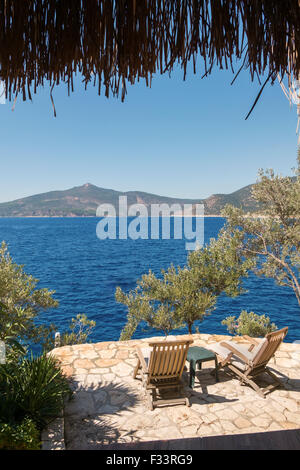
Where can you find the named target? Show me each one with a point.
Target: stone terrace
(109, 406)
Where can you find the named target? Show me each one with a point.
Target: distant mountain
(82, 201)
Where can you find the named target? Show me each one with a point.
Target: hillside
(82, 201)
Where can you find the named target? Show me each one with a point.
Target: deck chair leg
(256, 388)
(136, 369)
(150, 400)
(246, 380)
(269, 388)
(278, 383)
(274, 377)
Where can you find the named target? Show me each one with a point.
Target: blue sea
(67, 257)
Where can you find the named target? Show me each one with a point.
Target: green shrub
(22, 436)
(34, 388)
(249, 323)
(80, 329)
(20, 305)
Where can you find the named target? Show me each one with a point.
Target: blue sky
(183, 139)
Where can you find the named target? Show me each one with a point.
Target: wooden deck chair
(248, 362)
(161, 367)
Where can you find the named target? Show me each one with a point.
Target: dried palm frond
(116, 42)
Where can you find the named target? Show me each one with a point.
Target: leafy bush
(20, 304)
(34, 388)
(249, 323)
(80, 329)
(22, 436)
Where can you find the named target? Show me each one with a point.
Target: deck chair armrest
(235, 351)
(142, 360)
(253, 342)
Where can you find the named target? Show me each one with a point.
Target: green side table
(197, 355)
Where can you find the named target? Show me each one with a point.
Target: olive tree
(272, 238)
(183, 296)
(20, 303)
(151, 302)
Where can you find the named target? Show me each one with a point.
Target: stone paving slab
(110, 406)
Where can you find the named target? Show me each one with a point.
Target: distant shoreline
(88, 199)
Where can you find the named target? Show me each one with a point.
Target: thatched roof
(113, 42)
